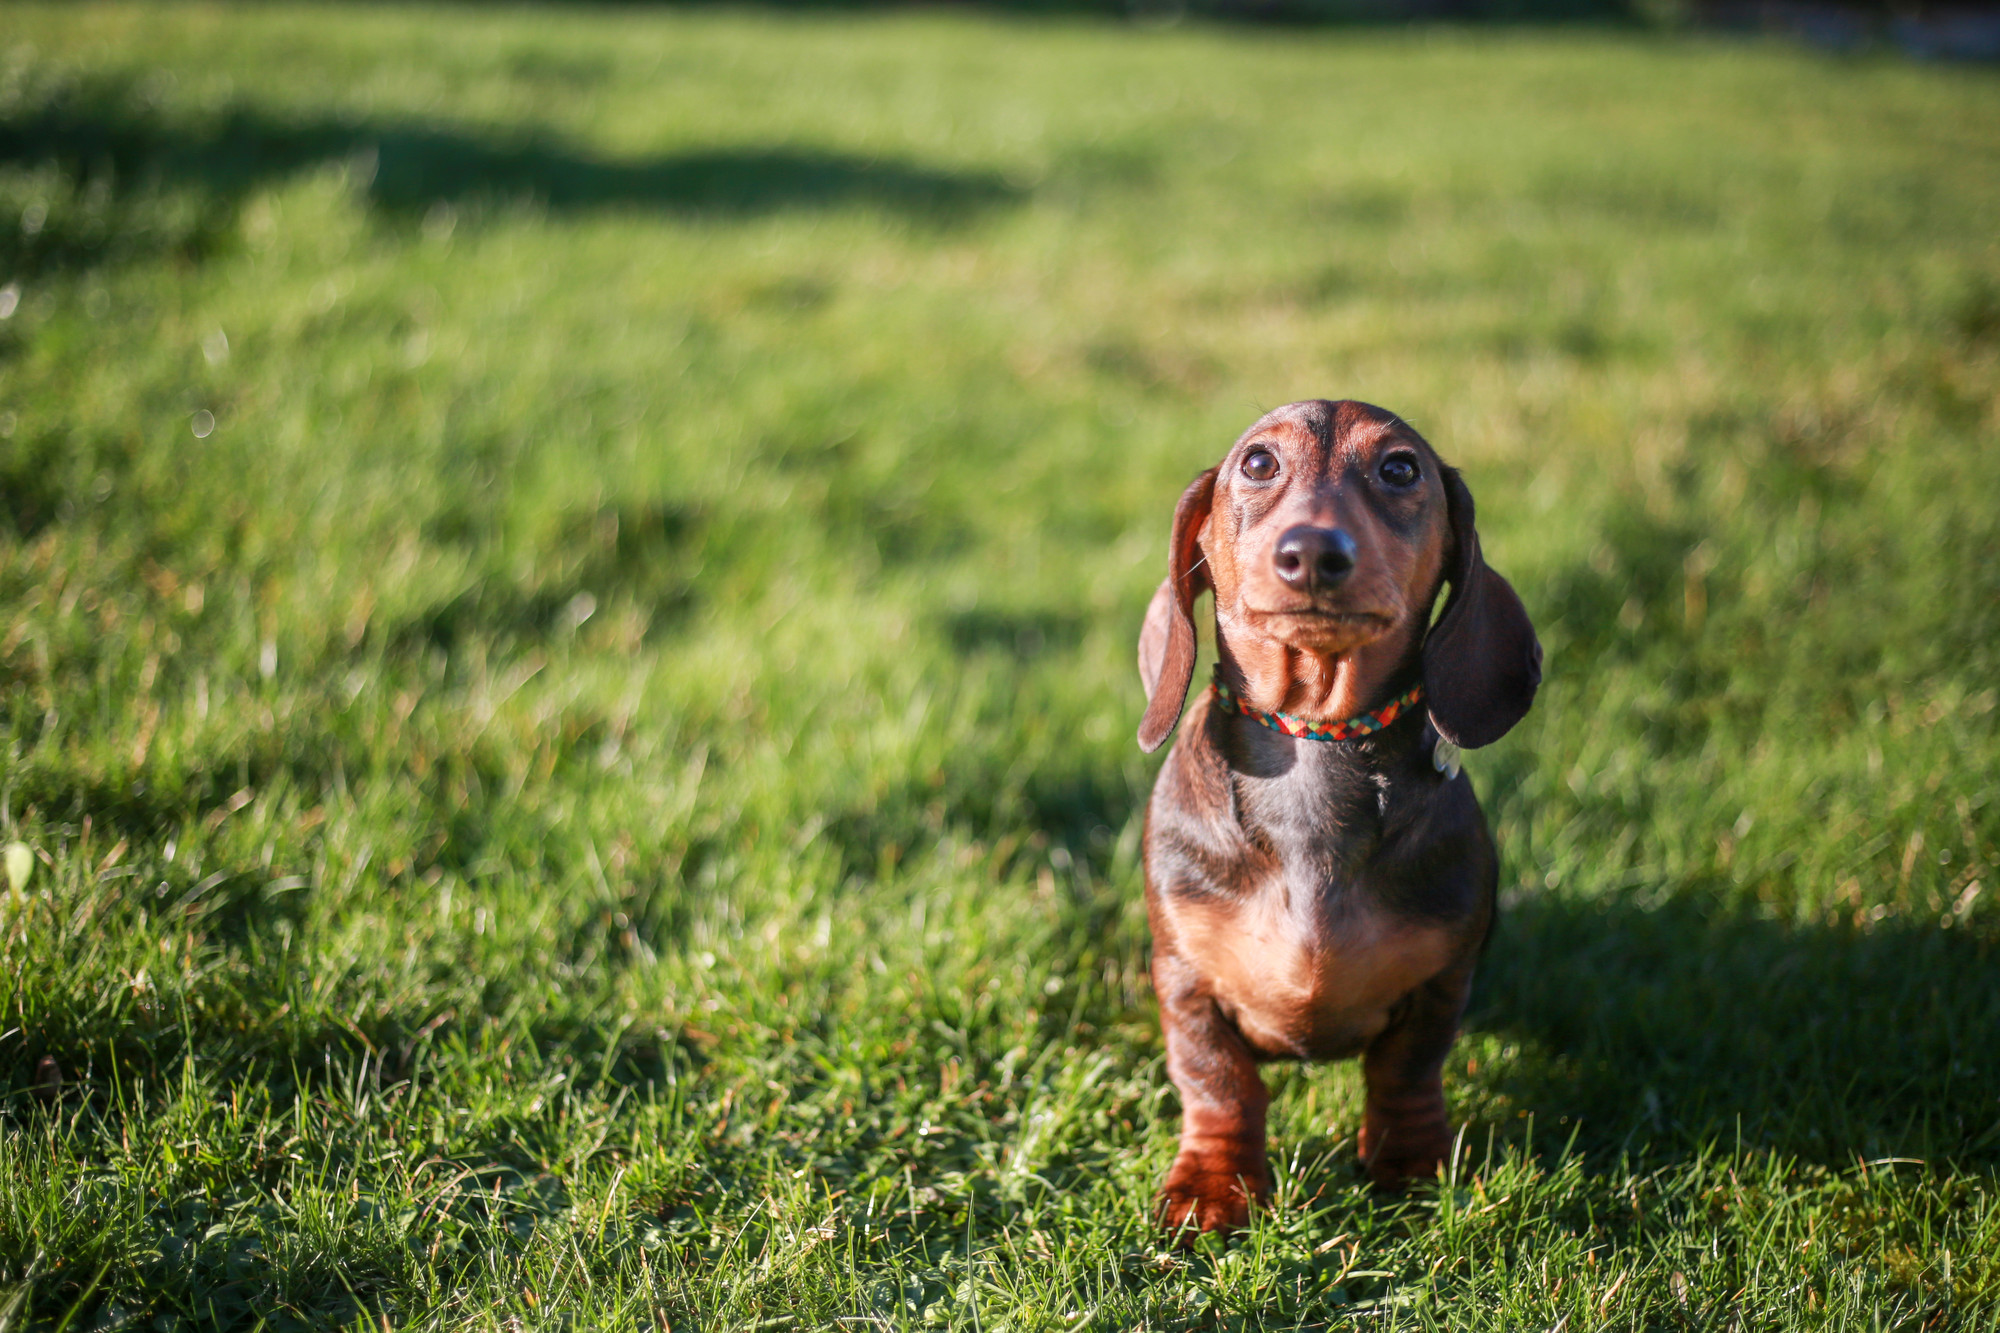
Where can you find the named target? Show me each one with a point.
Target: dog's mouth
(1322, 615)
(1320, 628)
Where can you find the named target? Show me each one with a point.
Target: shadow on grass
(113, 157)
(1672, 1026)
(1069, 814)
(645, 555)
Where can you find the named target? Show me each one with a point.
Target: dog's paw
(1212, 1192)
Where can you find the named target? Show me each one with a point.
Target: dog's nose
(1311, 558)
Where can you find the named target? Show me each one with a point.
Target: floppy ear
(1166, 641)
(1481, 661)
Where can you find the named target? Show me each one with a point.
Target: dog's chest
(1308, 896)
(1305, 973)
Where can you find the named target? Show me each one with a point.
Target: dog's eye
(1260, 465)
(1400, 470)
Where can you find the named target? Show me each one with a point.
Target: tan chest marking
(1297, 981)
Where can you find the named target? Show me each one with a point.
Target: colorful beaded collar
(1352, 729)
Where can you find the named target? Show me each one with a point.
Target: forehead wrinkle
(1355, 441)
(1332, 429)
(1349, 415)
(1311, 417)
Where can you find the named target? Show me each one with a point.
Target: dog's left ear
(1166, 640)
(1482, 662)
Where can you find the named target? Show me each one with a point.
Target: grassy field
(567, 591)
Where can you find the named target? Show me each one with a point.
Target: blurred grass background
(567, 591)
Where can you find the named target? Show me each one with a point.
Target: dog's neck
(1279, 678)
(1321, 805)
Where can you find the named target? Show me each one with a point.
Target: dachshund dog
(1319, 878)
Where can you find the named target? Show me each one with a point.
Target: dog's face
(1326, 533)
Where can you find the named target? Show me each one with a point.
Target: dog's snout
(1309, 558)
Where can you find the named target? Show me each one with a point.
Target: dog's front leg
(1221, 1169)
(1405, 1131)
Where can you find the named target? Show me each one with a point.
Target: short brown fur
(1313, 899)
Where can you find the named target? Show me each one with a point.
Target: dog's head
(1326, 533)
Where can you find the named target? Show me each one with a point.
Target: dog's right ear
(1166, 641)
(1482, 662)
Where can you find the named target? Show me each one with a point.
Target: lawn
(568, 583)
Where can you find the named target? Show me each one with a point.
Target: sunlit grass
(567, 594)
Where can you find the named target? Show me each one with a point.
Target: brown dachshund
(1319, 877)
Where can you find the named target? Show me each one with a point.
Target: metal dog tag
(1445, 758)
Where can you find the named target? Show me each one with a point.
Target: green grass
(601, 792)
